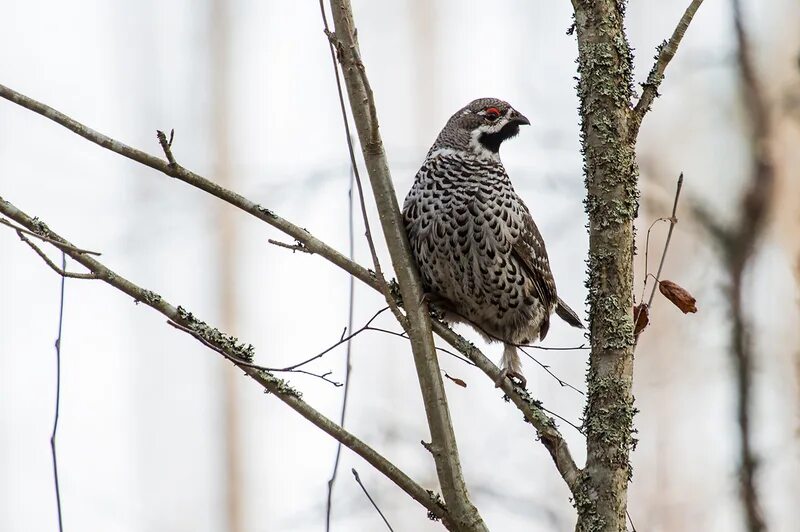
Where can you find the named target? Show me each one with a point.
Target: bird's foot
(433, 301)
(513, 376)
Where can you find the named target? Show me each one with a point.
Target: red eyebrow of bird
(492, 110)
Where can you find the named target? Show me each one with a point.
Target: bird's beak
(517, 118)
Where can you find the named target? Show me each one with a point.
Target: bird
(482, 260)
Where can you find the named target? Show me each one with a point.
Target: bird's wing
(530, 251)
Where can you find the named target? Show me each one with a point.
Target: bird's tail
(567, 314)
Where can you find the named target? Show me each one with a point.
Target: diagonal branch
(362, 105)
(241, 355)
(666, 51)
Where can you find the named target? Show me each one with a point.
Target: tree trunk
(605, 66)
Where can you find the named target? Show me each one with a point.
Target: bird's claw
(512, 375)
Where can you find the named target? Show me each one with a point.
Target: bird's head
(481, 127)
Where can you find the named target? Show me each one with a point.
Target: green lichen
(284, 388)
(264, 211)
(150, 297)
(40, 228)
(605, 90)
(585, 502)
(227, 343)
(394, 291)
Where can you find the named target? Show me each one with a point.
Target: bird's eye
(492, 113)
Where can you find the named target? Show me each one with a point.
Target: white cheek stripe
(479, 149)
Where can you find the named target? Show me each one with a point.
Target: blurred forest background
(159, 434)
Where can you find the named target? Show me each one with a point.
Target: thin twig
(46, 238)
(647, 256)
(561, 382)
(332, 42)
(630, 519)
(299, 246)
(673, 220)
(245, 364)
(166, 145)
(581, 347)
(51, 264)
(58, 392)
(348, 365)
(404, 336)
(565, 420)
(355, 474)
(666, 51)
(342, 340)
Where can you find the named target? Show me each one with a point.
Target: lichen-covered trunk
(605, 67)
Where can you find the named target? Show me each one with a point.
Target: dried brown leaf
(456, 380)
(641, 318)
(678, 295)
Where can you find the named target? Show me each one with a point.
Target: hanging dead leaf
(678, 295)
(641, 318)
(456, 380)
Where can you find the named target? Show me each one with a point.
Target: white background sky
(140, 443)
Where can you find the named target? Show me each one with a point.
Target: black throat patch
(492, 141)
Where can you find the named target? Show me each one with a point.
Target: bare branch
(390, 300)
(166, 145)
(358, 479)
(58, 385)
(294, 247)
(546, 368)
(51, 264)
(673, 220)
(237, 353)
(47, 239)
(351, 243)
(666, 51)
(342, 340)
